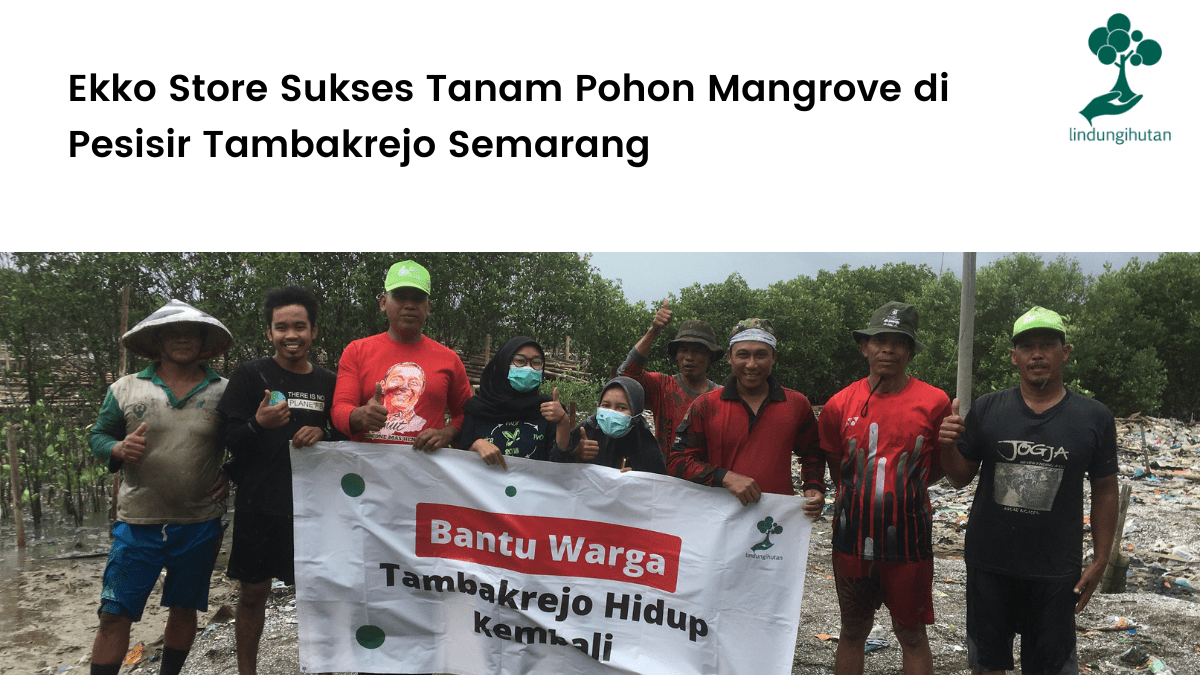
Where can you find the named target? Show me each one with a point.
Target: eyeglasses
(520, 361)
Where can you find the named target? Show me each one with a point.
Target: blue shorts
(140, 552)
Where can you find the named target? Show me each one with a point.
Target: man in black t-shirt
(1032, 446)
(269, 404)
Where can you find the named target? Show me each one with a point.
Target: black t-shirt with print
(262, 466)
(1027, 518)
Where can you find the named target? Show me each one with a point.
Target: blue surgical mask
(613, 423)
(524, 378)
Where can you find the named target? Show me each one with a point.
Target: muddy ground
(48, 610)
(48, 617)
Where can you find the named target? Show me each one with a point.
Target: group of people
(884, 438)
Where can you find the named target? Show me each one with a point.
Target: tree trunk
(1122, 84)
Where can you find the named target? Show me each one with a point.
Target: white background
(990, 169)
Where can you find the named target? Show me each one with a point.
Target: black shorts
(1043, 612)
(263, 548)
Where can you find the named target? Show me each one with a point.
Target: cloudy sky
(651, 276)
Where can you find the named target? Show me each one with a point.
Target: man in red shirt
(395, 387)
(668, 396)
(742, 437)
(880, 437)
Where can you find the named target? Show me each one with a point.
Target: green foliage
(855, 295)
(1168, 296)
(1113, 354)
(1135, 331)
(1005, 290)
(938, 302)
(584, 393)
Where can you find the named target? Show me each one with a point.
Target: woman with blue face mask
(618, 435)
(509, 416)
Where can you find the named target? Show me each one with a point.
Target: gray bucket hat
(894, 317)
(699, 332)
(140, 338)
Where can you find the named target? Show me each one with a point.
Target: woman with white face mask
(618, 435)
(509, 416)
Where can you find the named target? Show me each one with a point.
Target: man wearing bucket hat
(742, 437)
(668, 396)
(1031, 446)
(395, 387)
(879, 438)
(162, 428)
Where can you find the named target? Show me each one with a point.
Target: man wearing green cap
(742, 437)
(879, 438)
(1032, 445)
(668, 396)
(395, 387)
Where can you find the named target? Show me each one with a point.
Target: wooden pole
(966, 334)
(567, 350)
(124, 327)
(487, 348)
(1113, 580)
(18, 516)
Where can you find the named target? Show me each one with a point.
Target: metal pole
(966, 334)
(18, 516)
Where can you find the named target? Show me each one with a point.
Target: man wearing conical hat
(880, 438)
(161, 427)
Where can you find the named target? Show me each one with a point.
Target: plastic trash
(1157, 666)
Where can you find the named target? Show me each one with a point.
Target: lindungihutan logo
(767, 526)
(1116, 45)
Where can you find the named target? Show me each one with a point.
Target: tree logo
(767, 527)
(1115, 45)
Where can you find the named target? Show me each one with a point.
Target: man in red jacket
(742, 437)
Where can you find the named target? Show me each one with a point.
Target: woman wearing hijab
(618, 435)
(509, 416)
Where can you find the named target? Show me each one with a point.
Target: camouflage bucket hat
(1040, 317)
(141, 338)
(699, 332)
(894, 317)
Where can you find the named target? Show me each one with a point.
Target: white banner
(412, 562)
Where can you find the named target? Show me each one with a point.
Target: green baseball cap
(1039, 317)
(407, 273)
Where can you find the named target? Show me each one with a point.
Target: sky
(649, 277)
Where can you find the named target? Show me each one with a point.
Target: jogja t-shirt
(1027, 517)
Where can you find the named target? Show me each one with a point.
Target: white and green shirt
(184, 449)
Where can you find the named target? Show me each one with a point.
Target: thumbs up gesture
(133, 448)
(952, 427)
(586, 450)
(371, 415)
(663, 316)
(553, 410)
(272, 416)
